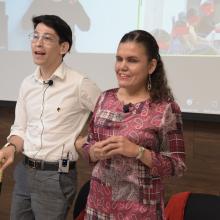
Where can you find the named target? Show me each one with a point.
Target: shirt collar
(59, 73)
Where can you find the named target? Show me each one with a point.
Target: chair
(80, 203)
(193, 206)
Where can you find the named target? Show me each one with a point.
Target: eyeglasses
(46, 38)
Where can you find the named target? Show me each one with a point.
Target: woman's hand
(115, 145)
(119, 145)
(97, 151)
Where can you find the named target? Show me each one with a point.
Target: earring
(149, 82)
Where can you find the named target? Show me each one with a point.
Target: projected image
(71, 11)
(183, 27)
(19, 23)
(3, 27)
(187, 31)
(95, 28)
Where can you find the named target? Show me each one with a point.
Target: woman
(135, 137)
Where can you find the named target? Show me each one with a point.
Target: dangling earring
(149, 82)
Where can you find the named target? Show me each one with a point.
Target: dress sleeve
(92, 138)
(169, 161)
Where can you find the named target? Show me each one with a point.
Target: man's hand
(6, 156)
(80, 140)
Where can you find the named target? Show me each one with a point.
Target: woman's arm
(170, 161)
(81, 139)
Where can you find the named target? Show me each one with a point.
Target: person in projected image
(135, 136)
(70, 10)
(214, 38)
(206, 23)
(185, 39)
(163, 39)
(53, 106)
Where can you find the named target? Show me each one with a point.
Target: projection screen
(187, 31)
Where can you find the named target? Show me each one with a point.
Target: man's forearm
(17, 141)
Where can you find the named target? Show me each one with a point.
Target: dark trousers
(42, 195)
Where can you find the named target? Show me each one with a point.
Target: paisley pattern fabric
(125, 188)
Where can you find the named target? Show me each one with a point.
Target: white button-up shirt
(50, 117)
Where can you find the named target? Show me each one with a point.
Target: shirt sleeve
(89, 93)
(20, 122)
(170, 160)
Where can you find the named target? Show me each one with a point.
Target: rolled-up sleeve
(170, 160)
(89, 93)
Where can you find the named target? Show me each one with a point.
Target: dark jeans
(42, 195)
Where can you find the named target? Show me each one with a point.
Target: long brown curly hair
(160, 91)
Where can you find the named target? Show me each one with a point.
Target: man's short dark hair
(62, 29)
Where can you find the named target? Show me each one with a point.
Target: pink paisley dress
(124, 188)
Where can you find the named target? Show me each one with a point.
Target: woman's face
(132, 66)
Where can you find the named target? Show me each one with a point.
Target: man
(53, 106)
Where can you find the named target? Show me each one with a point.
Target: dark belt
(45, 165)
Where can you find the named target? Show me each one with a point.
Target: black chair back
(202, 207)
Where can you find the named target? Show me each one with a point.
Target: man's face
(47, 51)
